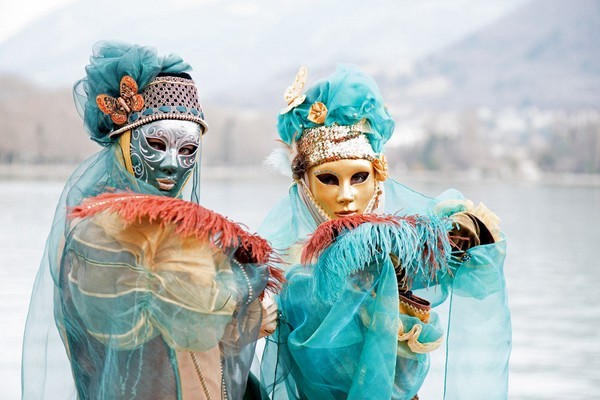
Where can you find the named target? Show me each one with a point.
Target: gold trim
(125, 142)
(164, 299)
(412, 339)
(414, 308)
(94, 246)
(313, 200)
(161, 116)
(175, 82)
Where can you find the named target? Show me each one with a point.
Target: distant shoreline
(60, 172)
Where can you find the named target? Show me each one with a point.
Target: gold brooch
(293, 95)
(120, 108)
(380, 167)
(317, 112)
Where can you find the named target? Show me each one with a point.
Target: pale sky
(15, 15)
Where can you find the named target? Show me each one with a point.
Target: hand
(468, 231)
(270, 312)
(244, 256)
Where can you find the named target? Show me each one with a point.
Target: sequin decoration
(331, 143)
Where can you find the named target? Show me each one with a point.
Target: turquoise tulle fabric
(109, 62)
(350, 96)
(349, 348)
(106, 324)
(103, 325)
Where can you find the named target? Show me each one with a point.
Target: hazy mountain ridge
(243, 53)
(546, 54)
(518, 97)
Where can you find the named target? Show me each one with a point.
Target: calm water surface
(552, 271)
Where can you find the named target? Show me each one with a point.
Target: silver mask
(163, 153)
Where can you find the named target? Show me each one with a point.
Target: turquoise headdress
(108, 99)
(348, 97)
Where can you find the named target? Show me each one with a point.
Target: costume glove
(468, 231)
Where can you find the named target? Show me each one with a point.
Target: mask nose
(345, 193)
(169, 163)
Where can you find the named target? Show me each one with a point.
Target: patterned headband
(166, 97)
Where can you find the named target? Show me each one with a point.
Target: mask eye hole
(187, 150)
(157, 144)
(359, 177)
(328, 179)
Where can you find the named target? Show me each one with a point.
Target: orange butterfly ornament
(120, 108)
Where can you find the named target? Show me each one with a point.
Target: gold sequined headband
(337, 142)
(331, 143)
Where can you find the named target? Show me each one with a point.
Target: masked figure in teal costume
(369, 260)
(142, 293)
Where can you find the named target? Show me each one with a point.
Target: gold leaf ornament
(317, 112)
(380, 167)
(293, 95)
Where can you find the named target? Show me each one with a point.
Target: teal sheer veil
(127, 332)
(313, 352)
(360, 346)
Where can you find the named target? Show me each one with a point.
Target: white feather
(280, 161)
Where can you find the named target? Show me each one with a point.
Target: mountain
(245, 53)
(512, 97)
(545, 54)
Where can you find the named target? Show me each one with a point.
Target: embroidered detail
(414, 306)
(250, 291)
(167, 97)
(119, 109)
(315, 204)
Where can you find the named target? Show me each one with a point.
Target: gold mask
(344, 187)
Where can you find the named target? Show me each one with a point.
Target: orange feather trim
(191, 219)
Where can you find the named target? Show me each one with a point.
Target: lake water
(552, 271)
